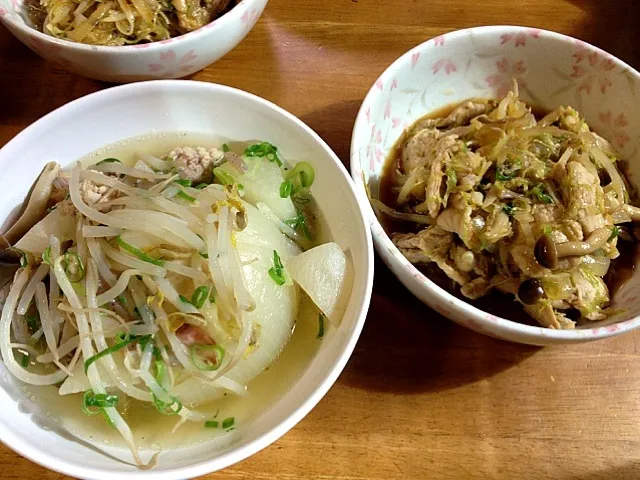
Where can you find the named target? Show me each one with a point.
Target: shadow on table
(406, 347)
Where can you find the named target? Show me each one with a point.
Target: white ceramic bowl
(184, 106)
(173, 58)
(552, 70)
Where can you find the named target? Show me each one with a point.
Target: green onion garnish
(201, 356)
(161, 369)
(46, 255)
(228, 422)
(225, 148)
(204, 255)
(24, 361)
(277, 271)
(304, 173)
(108, 160)
(321, 319)
(285, 189)
(541, 194)
(73, 267)
(223, 177)
(264, 149)
(200, 296)
(615, 231)
(200, 186)
(211, 424)
(212, 295)
(185, 196)
(184, 299)
(137, 252)
(24, 261)
(171, 408)
(99, 401)
(123, 341)
(33, 322)
(300, 221)
(184, 182)
(509, 209)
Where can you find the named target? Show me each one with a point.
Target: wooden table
(421, 397)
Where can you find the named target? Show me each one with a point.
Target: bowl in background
(172, 58)
(551, 70)
(226, 114)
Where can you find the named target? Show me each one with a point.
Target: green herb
(184, 299)
(184, 182)
(211, 424)
(225, 148)
(185, 196)
(509, 209)
(33, 322)
(505, 172)
(161, 370)
(201, 356)
(200, 296)
(204, 255)
(452, 179)
(321, 319)
(108, 160)
(540, 193)
(228, 422)
(123, 300)
(300, 221)
(200, 186)
(137, 252)
(24, 361)
(46, 255)
(212, 295)
(122, 341)
(223, 177)
(547, 230)
(24, 261)
(264, 149)
(99, 401)
(285, 189)
(277, 271)
(72, 266)
(172, 408)
(615, 231)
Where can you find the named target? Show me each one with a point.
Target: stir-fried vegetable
(524, 205)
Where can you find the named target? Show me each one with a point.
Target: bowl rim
(504, 328)
(233, 15)
(39, 454)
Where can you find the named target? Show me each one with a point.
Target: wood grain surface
(421, 398)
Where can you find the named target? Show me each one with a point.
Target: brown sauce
(497, 303)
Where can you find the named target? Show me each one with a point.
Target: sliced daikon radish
(58, 222)
(325, 274)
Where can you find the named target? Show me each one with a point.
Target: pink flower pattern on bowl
(551, 70)
(171, 66)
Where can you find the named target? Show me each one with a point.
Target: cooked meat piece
(592, 294)
(190, 335)
(463, 114)
(430, 245)
(419, 150)
(92, 193)
(195, 14)
(584, 198)
(197, 163)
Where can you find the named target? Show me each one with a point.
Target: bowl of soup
(181, 284)
(500, 167)
(127, 41)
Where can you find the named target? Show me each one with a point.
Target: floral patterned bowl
(552, 70)
(172, 58)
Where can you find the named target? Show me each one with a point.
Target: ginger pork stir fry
(530, 207)
(163, 282)
(125, 22)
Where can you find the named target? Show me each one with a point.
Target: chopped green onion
(185, 196)
(73, 267)
(225, 148)
(168, 408)
(277, 271)
(46, 255)
(540, 193)
(300, 221)
(615, 231)
(212, 295)
(223, 177)
(24, 261)
(211, 424)
(200, 186)
(161, 370)
(204, 255)
(123, 300)
(100, 401)
(108, 160)
(200, 296)
(304, 174)
(509, 209)
(201, 356)
(33, 322)
(285, 189)
(321, 319)
(228, 422)
(184, 182)
(137, 252)
(24, 361)
(184, 299)
(264, 149)
(122, 341)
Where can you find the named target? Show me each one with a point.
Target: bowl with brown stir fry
(131, 40)
(502, 182)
